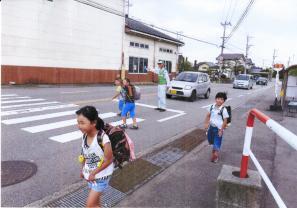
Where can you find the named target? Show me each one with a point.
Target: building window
(138, 65)
(165, 50)
(139, 45)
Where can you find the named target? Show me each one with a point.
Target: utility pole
(221, 59)
(127, 2)
(247, 47)
(289, 61)
(273, 59)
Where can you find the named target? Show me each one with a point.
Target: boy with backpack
(215, 122)
(129, 104)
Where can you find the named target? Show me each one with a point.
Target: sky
(271, 24)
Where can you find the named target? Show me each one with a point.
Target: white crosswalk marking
(9, 95)
(37, 118)
(29, 104)
(61, 124)
(30, 110)
(129, 121)
(9, 98)
(63, 138)
(23, 101)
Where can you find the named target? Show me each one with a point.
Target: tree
(185, 66)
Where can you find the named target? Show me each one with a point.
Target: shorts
(121, 105)
(213, 137)
(128, 107)
(99, 185)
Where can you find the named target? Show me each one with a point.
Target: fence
(282, 132)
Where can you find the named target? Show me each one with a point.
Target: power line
(240, 19)
(101, 7)
(178, 33)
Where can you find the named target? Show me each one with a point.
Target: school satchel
(122, 146)
(136, 93)
(228, 108)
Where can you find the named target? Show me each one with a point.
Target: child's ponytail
(99, 124)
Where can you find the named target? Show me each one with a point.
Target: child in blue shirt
(215, 123)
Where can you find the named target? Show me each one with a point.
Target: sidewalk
(191, 182)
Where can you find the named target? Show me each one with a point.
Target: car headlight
(187, 87)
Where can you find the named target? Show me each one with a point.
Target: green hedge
(293, 72)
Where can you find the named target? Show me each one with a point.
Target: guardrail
(282, 132)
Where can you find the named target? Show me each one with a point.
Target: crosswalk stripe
(63, 138)
(61, 124)
(23, 101)
(37, 118)
(9, 98)
(30, 110)
(29, 104)
(9, 95)
(129, 121)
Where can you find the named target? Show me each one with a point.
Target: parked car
(262, 81)
(243, 81)
(189, 85)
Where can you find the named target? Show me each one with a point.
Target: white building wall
(61, 33)
(153, 53)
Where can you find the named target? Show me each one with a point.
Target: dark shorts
(213, 137)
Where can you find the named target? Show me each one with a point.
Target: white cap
(160, 62)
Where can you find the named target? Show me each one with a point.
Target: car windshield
(242, 77)
(262, 79)
(187, 77)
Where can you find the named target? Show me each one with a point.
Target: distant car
(189, 85)
(243, 81)
(262, 81)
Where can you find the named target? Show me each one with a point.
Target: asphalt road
(40, 141)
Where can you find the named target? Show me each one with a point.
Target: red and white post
(248, 139)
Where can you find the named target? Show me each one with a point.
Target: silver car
(189, 85)
(243, 81)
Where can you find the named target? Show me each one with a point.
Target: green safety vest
(161, 77)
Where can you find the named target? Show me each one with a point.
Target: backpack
(136, 92)
(228, 108)
(121, 145)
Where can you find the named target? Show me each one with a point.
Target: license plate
(173, 92)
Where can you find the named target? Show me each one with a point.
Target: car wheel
(193, 96)
(206, 95)
(168, 96)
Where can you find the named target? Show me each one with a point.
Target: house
(232, 59)
(249, 64)
(144, 46)
(59, 42)
(231, 62)
(205, 66)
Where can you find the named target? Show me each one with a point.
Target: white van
(243, 81)
(190, 85)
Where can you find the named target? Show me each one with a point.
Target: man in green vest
(163, 81)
